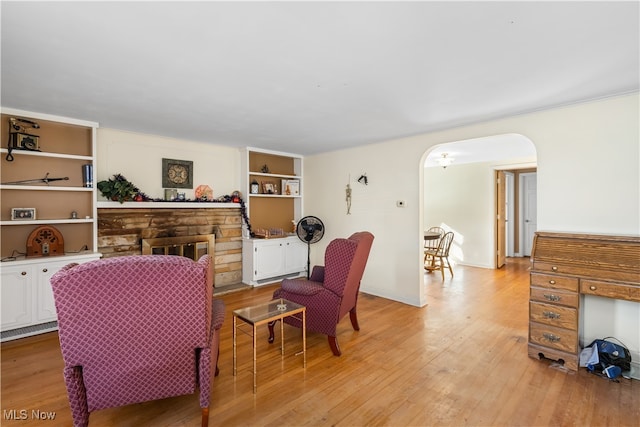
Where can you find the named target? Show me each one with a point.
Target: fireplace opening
(192, 247)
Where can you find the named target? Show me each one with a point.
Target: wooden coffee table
(261, 315)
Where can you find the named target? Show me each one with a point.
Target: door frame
(515, 216)
(521, 220)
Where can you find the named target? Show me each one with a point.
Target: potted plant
(118, 188)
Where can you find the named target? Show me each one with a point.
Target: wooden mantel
(165, 205)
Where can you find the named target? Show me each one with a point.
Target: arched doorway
(463, 196)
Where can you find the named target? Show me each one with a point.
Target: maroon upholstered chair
(332, 289)
(137, 328)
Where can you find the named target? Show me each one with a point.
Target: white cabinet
(45, 307)
(16, 296)
(295, 255)
(27, 298)
(270, 260)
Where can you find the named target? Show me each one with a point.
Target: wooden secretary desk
(566, 266)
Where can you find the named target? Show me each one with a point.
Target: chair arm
(77, 394)
(208, 356)
(317, 274)
(217, 314)
(302, 287)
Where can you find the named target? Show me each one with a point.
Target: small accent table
(261, 315)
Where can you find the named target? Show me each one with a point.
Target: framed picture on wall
(177, 173)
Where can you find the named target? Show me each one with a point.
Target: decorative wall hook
(363, 179)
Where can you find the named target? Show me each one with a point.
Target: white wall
(139, 158)
(461, 198)
(588, 181)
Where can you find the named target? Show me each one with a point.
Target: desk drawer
(552, 337)
(553, 296)
(554, 315)
(554, 282)
(610, 290)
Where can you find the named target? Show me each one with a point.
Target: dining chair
(431, 244)
(440, 255)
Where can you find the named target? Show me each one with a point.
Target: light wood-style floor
(460, 361)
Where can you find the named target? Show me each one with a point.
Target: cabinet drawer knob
(552, 282)
(24, 273)
(551, 337)
(554, 268)
(550, 315)
(552, 297)
(593, 288)
(44, 270)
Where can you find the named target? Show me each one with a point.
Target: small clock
(177, 173)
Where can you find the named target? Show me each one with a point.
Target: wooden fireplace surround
(121, 229)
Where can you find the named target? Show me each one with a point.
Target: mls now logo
(24, 414)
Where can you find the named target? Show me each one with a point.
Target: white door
(529, 199)
(510, 213)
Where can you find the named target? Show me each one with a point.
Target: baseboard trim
(28, 331)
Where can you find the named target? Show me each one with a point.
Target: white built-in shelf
(274, 175)
(164, 205)
(283, 196)
(46, 221)
(42, 188)
(45, 154)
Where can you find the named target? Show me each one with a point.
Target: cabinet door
(295, 256)
(269, 259)
(16, 296)
(45, 305)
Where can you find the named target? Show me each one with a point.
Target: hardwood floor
(462, 360)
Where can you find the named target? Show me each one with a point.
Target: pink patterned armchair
(137, 328)
(332, 290)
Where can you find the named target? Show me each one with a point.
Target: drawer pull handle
(552, 282)
(24, 273)
(552, 297)
(44, 270)
(593, 288)
(551, 337)
(554, 268)
(551, 315)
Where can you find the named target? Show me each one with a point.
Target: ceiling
(311, 77)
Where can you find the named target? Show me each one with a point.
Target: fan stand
(308, 259)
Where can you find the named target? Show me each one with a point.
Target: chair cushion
(302, 286)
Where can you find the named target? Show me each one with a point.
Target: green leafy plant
(118, 188)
